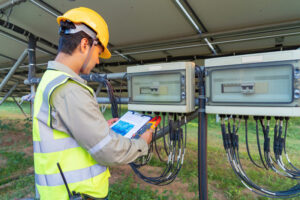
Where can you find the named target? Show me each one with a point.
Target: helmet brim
(105, 54)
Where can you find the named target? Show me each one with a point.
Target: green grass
(21, 188)
(129, 190)
(14, 160)
(223, 184)
(10, 110)
(219, 170)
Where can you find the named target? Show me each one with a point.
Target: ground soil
(2, 161)
(13, 138)
(177, 187)
(218, 194)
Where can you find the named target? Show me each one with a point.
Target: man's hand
(147, 135)
(111, 121)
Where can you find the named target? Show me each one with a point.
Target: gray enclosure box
(256, 84)
(162, 87)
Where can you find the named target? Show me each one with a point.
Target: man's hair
(69, 42)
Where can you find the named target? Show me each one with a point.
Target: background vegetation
(16, 163)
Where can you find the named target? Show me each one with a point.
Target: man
(68, 127)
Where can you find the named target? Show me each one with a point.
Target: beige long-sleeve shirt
(76, 111)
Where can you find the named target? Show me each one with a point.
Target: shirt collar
(54, 65)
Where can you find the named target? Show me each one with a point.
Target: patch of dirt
(19, 124)
(14, 134)
(247, 192)
(28, 150)
(2, 161)
(10, 115)
(10, 180)
(177, 187)
(217, 193)
(12, 138)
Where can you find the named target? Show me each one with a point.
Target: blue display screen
(122, 127)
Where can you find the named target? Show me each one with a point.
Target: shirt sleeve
(75, 111)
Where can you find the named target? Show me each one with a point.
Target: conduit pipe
(99, 77)
(89, 77)
(105, 100)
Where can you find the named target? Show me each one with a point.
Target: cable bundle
(112, 99)
(231, 145)
(174, 147)
(103, 80)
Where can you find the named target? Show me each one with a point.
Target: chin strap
(88, 58)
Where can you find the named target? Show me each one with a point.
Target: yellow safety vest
(51, 146)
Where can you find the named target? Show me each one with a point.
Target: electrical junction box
(163, 87)
(265, 84)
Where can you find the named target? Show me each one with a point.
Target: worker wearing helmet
(68, 127)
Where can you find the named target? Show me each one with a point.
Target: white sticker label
(155, 68)
(252, 59)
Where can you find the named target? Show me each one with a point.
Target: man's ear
(84, 45)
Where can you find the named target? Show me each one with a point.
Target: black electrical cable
(155, 145)
(164, 136)
(281, 143)
(275, 141)
(258, 143)
(232, 152)
(293, 192)
(233, 164)
(114, 104)
(284, 145)
(173, 165)
(120, 96)
(247, 144)
(267, 154)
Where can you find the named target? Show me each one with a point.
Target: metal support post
(9, 93)
(31, 74)
(32, 63)
(202, 137)
(13, 69)
(99, 89)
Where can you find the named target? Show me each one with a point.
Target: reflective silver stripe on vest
(71, 176)
(44, 110)
(47, 143)
(54, 145)
(100, 145)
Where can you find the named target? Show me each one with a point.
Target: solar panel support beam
(9, 93)
(13, 69)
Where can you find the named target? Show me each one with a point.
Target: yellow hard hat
(92, 19)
